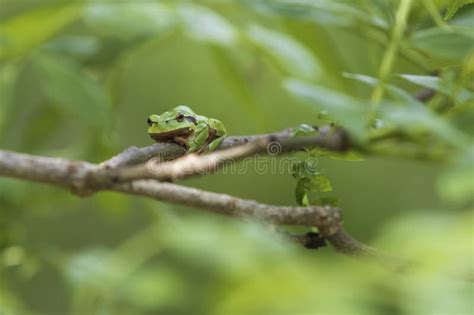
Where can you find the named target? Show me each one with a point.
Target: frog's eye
(180, 117)
(149, 122)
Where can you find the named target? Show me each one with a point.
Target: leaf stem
(390, 53)
(435, 15)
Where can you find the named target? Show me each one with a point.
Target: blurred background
(78, 80)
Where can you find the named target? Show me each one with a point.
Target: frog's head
(180, 121)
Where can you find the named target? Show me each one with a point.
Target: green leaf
(396, 92)
(308, 189)
(466, 19)
(206, 25)
(416, 120)
(74, 45)
(347, 111)
(426, 81)
(435, 83)
(349, 155)
(455, 42)
(26, 31)
(309, 181)
(293, 56)
(454, 6)
(301, 192)
(65, 86)
(328, 12)
(305, 169)
(321, 183)
(125, 20)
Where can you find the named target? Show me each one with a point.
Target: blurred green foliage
(79, 78)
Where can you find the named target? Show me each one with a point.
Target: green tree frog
(183, 126)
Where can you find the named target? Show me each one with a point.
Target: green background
(78, 80)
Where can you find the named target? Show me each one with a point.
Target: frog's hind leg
(212, 142)
(215, 143)
(217, 133)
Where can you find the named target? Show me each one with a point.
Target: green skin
(183, 126)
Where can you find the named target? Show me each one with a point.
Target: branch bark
(134, 155)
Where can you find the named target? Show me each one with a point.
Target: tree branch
(170, 151)
(134, 155)
(327, 219)
(75, 175)
(194, 164)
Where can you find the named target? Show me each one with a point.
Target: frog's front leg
(200, 138)
(181, 141)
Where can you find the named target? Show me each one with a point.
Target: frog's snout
(153, 119)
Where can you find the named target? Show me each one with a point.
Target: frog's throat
(170, 135)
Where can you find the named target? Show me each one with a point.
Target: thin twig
(346, 244)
